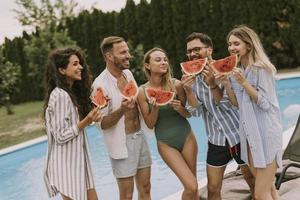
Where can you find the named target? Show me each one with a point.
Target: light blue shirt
(221, 120)
(259, 122)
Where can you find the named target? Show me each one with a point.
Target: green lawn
(25, 124)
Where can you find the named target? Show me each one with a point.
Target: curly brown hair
(80, 91)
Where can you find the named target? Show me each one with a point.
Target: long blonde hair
(257, 53)
(167, 82)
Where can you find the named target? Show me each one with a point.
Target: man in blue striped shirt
(221, 119)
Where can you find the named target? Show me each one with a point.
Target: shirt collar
(110, 76)
(201, 78)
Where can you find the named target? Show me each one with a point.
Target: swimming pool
(21, 171)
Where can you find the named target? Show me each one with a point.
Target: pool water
(21, 172)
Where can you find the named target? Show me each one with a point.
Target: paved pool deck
(232, 166)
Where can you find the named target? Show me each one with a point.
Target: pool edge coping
(286, 75)
(22, 145)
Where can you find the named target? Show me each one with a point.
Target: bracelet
(212, 88)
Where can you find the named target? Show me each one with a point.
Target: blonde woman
(175, 140)
(252, 89)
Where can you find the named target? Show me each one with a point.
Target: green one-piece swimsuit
(171, 128)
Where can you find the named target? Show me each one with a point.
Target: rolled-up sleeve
(224, 103)
(264, 87)
(194, 111)
(61, 121)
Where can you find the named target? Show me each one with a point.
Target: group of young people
(240, 111)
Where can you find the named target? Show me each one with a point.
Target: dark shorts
(219, 156)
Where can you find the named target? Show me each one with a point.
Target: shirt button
(219, 128)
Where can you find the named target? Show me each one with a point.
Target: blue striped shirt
(221, 120)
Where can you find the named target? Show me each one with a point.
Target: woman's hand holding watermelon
(223, 79)
(94, 115)
(240, 78)
(176, 104)
(152, 101)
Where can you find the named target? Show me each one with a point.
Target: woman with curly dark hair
(67, 111)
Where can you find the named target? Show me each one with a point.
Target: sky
(10, 27)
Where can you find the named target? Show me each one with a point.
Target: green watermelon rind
(135, 95)
(96, 103)
(158, 90)
(229, 72)
(192, 73)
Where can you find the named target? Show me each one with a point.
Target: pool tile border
(22, 145)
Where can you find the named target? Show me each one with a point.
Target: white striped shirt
(221, 120)
(259, 122)
(68, 168)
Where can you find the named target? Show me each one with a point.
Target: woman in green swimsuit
(175, 139)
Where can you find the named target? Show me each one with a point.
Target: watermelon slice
(130, 90)
(193, 67)
(225, 65)
(99, 99)
(162, 97)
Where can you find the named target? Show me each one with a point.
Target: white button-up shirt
(115, 136)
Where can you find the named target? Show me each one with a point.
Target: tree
(130, 21)
(156, 24)
(46, 18)
(37, 50)
(142, 16)
(13, 51)
(294, 30)
(136, 65)
(9, 75)
(180, 28)
(168, 33)
(46, 14)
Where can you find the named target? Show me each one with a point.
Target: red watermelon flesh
(130, 90)
(225, 65)
(99, 99)
(162, 97)
(193, 67)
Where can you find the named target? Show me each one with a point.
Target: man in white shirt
(126, 143)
